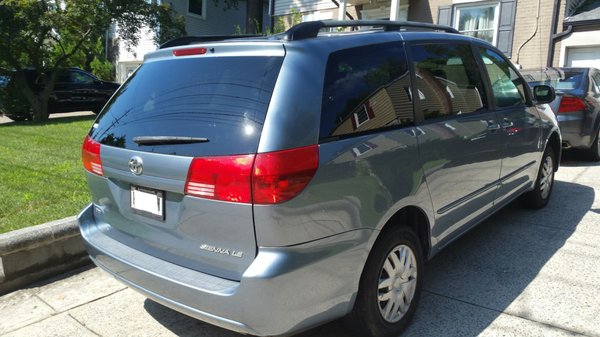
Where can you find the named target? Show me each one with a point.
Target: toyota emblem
(135, 165)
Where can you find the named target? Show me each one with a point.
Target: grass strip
(41, 176)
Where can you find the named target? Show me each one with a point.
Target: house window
(363, 115)
(479, 21)
(197, 7)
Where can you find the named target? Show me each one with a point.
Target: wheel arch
(414, 218)
(554, 141)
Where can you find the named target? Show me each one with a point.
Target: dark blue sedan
(577, 105)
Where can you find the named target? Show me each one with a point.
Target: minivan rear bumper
(285, 289)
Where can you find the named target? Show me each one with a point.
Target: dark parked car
(577, 105)
(74, 90)
(267, 185)
(3, 84)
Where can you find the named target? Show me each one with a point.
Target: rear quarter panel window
(366, 88)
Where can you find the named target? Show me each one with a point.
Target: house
(533, 33)
(581, 45)
(202, 17)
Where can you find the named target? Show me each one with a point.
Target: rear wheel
(593, 153)
(540, 195)
(390, 286)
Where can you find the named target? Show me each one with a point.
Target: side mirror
(544, 94)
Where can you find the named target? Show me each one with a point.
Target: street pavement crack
(83, 325)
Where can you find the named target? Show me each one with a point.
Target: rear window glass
(560, 80)
(366, 89)
(223, 99)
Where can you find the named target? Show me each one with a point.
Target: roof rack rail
(182, 41)
(310, 29)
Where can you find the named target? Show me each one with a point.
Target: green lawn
(41, 176)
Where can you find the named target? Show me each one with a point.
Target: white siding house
(202, 17)
(330, 9)
(130, 57)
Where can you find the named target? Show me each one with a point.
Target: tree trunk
(40, 111)
(38, 102)
(254, 16)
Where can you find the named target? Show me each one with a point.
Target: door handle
(507, 123)
(492, 126)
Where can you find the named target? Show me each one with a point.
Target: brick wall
(533, 53)
(528, 51)
(426, 11)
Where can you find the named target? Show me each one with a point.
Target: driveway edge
(35, 253)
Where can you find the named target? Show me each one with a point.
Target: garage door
(583, 57)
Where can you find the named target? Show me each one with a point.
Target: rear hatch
(176, 145)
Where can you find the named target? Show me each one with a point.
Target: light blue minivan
(270, 184)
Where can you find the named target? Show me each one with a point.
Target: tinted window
(224, 99)
(81, 78)
(508, 87)
(64, 77)
(448, 82)
(366, 88)
(195, 7)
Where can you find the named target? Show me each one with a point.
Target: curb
(36, 253)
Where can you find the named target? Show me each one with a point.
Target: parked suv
(268, 185)
(74, 90)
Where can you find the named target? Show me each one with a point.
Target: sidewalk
(521, 273)
(6, 120)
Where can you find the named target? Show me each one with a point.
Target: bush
(104, 70)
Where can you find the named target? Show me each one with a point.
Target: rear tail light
(265, 178)
(224, 178)
(280, 176)
(90, 155)
(571, 104)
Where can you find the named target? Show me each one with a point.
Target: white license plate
(148, 202)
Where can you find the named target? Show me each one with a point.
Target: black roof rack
(310, 29)
(182, 41)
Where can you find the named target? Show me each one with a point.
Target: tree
(44, 35)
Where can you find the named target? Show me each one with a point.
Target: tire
(593, 153)
(540, 195)
(375, 313)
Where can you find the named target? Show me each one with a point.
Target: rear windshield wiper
(165, 140)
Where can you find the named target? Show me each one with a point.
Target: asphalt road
(521, 273)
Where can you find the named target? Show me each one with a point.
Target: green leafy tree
(46, 36)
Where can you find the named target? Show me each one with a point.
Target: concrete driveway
(521, 273)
